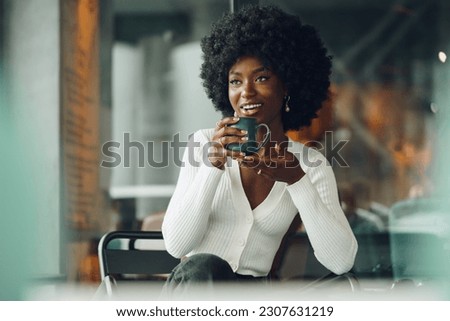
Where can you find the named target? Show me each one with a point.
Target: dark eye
(234, 82)
(262, 78)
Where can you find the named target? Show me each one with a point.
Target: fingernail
(248, 158)
(244, 138)
(236, 118)
(244, 131)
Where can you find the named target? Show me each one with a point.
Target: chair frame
(131, 260)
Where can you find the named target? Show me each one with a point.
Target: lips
(250, 108)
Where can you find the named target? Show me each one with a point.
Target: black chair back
(134, 255)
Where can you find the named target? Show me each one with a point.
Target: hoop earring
(286, 104)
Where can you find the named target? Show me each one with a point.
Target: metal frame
(145, 260)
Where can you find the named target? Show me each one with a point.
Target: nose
(248, 90)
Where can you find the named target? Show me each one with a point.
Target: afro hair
(291, 48)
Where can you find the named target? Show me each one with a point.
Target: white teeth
(250, 107)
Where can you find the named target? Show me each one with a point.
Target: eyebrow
(259, 69)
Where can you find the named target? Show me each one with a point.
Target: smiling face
(254, 90)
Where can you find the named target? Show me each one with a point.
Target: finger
(261, 152)
(277, 149)
(216, 150)
(276, 152)
(216, 156)
(223, 141)
(251, 158)
(232, 139)
(227, 121)
(252, 161)
(223, 122)
(233, 131)
(239, 156)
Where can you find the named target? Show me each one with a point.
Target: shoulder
(199, 140)
(202, 136)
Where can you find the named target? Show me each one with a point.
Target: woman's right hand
(224, 134)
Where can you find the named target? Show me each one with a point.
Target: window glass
(384, 125)
(158, 98)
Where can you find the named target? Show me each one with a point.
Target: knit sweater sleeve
(315, 196)
(187, 215)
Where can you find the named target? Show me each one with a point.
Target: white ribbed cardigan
(209, 213)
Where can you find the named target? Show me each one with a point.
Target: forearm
(328, 230)
(186, 219)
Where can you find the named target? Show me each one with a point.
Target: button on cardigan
(209, 213)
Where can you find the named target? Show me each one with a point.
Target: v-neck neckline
(240, 197)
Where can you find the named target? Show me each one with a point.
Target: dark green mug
(251, 145)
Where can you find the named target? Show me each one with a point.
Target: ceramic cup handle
(266, 136)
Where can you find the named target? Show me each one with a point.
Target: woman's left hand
(278, 165)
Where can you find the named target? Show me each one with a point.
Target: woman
(230, 211)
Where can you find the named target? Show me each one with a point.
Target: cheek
(276, 97)
(280, 97)
(232, 97)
